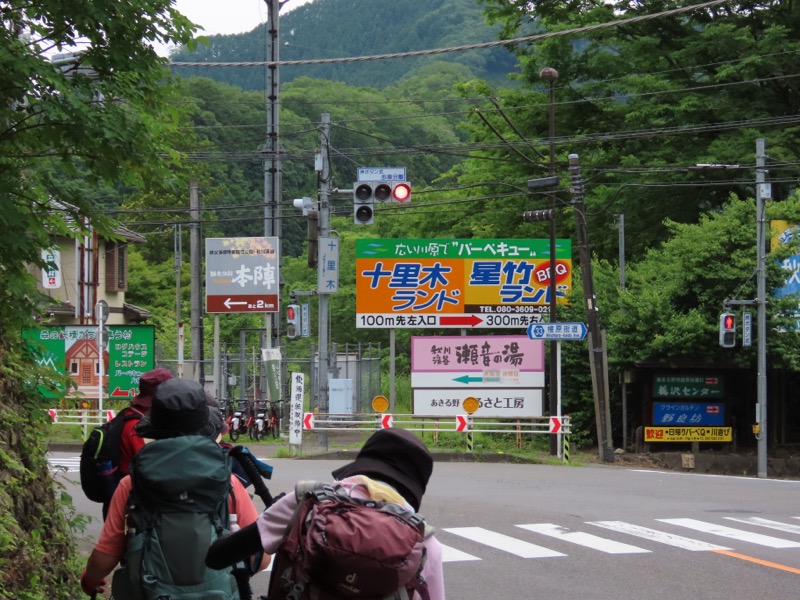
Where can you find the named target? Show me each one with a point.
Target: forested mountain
(353, 28)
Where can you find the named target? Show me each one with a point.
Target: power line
(513, 41)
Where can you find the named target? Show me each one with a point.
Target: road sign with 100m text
(557, 331)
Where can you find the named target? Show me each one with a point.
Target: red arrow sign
(386, 422)
(461, 320)
(308, 421)
(462, 422)
(555, 424)
(118, 393)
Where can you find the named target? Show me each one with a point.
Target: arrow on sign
(555, 424)
(228, 303)
(386, 422)
(308, 421)
(462, 422)
(468, 379)
(118, 393)
(462, 320)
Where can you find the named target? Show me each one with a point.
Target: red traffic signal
(727, 330)
(401, 192)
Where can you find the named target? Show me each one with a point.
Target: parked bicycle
(237, 423)
(257, 424)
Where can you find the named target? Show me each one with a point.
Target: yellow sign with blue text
(688, 434)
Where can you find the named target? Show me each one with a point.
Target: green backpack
(178, 507)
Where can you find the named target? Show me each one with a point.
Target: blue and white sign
(328, 266)
(381, 174)
(747, 329)
(557, 331)
(688, 413)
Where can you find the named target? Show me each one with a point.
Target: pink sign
(453, 354)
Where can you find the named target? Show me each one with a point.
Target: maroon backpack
(339, 547)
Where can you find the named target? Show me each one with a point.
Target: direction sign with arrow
(462, 422)
(555, 424)
(308, 421)
(386, 421)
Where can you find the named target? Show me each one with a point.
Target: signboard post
(504, 374)
(297, 391)
(242, 275)
(446, 283)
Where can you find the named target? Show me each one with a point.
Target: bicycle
(257, 426)
(237, 424)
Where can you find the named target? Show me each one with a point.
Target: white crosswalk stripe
(503, 542)
(787, 527)
(587, 540)
(71, 464)
(661, 537)
(734, 534)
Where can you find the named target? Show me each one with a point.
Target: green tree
(106, 122)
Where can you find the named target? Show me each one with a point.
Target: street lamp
(550, 75)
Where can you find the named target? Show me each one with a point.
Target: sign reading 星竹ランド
(494, 284)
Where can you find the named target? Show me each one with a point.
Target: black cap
(397, 457)
(179, 408)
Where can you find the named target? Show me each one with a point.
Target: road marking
(503, 542)
(758, 561)
(450, 554)
(730, 532)
(580, 538)
(786, 527)
(662, 537)
(72, 465)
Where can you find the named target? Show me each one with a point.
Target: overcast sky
(229, 16)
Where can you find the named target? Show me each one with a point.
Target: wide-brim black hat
(397, 457)
(179, 408)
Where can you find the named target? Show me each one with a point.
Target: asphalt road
(594, 533)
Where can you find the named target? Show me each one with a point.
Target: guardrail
(82, 416)
(457, 424)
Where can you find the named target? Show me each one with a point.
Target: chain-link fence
(251, 381)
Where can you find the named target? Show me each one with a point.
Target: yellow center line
(758, 561)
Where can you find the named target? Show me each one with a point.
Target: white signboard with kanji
(296, 390)
(242, 275)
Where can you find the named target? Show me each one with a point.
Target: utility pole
(272, 164)
(323, 169)
(550, 75)
(763, 192)
(198, 373)
(597, 356)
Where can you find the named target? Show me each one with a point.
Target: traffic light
(364, 204)
(538, 215)
(727, 330)
(401, 192)
(292, 321)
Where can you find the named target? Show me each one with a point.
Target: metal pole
(196, 265)
(550, 75)
(762, 192)
(596, 353)
(324, 230)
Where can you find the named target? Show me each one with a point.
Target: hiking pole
(248, 463)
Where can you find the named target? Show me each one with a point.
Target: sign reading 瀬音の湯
(242, 275)
(687, 386)
(72, 350)
(418, 283)
(504, 373)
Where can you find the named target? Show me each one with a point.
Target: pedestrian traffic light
(292, 321)
(727, 330)
(364, 204)
(401, 192)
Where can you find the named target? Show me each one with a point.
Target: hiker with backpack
(180, 496)
(357, 537)
(108, 450)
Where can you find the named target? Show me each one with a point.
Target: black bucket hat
(397, 457)
(179, 408)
